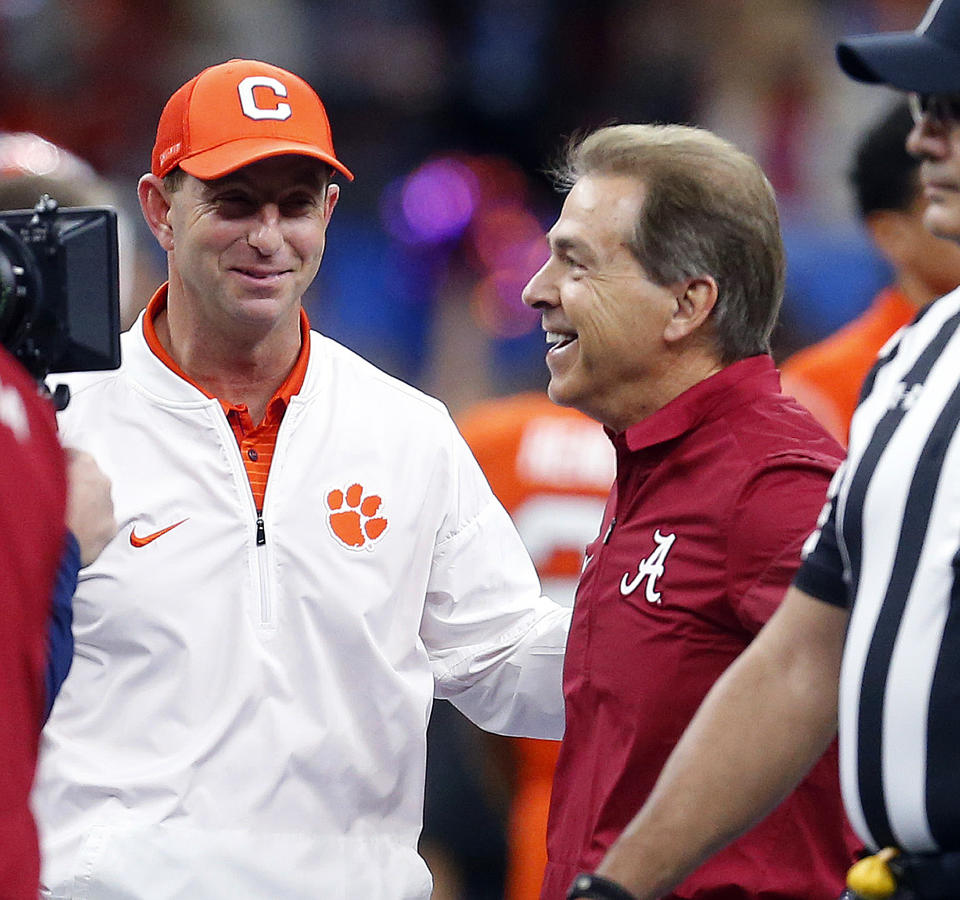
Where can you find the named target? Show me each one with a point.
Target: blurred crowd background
(449, 112)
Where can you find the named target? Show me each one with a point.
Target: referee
(875, 608)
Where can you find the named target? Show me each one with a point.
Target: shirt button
(252, 454)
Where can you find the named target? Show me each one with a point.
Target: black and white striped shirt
(888, 549)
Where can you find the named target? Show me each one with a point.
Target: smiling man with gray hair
(868, 633)
(661, 291)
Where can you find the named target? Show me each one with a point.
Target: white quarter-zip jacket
(247, 708)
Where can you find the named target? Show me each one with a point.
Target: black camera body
(59, 288)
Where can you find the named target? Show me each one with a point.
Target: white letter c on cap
(249, 105)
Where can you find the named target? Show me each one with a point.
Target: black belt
(934, 876)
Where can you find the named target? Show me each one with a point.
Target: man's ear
(330, 200)
(695, 300)
(155, 206)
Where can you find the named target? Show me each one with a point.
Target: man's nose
(540, 290)
(266, 234)
(928, 139)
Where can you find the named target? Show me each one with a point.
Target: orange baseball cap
(238, 112)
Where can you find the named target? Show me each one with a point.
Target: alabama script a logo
(650, 568)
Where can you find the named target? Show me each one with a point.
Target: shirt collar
(709, 399)
(291, 386)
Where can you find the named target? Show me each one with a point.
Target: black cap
(926, 60)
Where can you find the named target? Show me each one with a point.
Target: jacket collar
(150, 364)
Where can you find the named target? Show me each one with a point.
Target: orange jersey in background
(552, 468)
(826, 377)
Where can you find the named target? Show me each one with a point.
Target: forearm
(522, 695)
(761, 728)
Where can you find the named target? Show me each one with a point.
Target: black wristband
(595, 887)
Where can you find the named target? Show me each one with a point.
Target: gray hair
(708, 209)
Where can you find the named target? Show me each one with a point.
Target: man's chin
(560, 393)
(942, 219)
(264, 312)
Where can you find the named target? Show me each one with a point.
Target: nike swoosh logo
(143, 541)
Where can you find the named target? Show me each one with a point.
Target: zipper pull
(261, 532)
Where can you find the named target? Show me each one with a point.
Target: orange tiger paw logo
(353, 516)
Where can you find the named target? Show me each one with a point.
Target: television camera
(59, 290)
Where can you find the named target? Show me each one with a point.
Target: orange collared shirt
(257, 441)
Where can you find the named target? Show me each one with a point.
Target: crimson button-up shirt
(714, 496)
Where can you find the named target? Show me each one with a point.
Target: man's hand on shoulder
(89, 505)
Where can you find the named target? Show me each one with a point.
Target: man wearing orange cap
(307, 555)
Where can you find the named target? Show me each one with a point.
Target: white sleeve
(495, 643)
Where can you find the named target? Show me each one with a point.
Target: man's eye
(297, 205)
(234, 204)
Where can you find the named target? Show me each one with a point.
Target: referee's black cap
(925, 60)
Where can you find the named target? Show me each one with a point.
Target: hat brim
(902, 59)
(227, 158)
